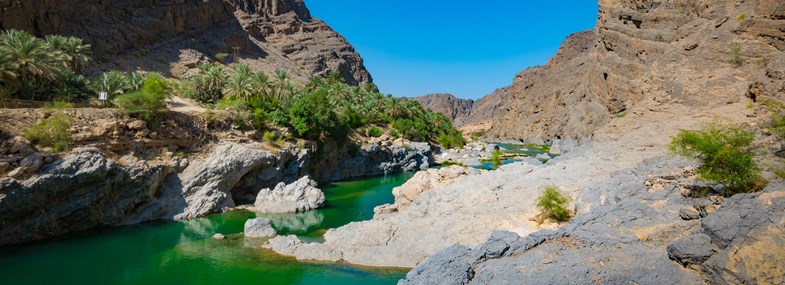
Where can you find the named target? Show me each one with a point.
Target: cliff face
(175, 36)
(677, 52)
(454, 108)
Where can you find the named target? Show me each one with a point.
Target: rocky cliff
(685, 52)
(175, 36)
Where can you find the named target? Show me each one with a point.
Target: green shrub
(620, 114)
(51, 132)
(726, 155)
(741, 17)
(375, 132)
(259, 119)
(269, 138)
(394, 133)
(453, 139)
(313, 117)
(735, 54)
(146, 104)
(477, 135)
(496, 158)
(552, 204)
(279, 118)
(58, 105)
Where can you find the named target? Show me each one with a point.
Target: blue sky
(467, 48)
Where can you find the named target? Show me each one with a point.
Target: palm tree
(114, 83)
(281, 82)
(240, 84)
(334, 77)
(58, 42)
(394, 107)
(78, 52)
(135, 81)
(32, 58)
(314, 83)
(209, 82)
(261, 84)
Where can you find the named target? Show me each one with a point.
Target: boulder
(259, 228)
(137, 125)
(300, 196)
(691, 250)
(689, 213)
(219, 236)
(291, 245)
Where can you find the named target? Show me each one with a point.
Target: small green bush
(51, 132)
(452, 139)
(620, 115)
(477, 135)
(394, 133)
(735, 54)
(741, 17)
(259, 120)
(552, 204)
(375, 132)
(496, 158)
(726, 154)
(146, 104)
(269, 138)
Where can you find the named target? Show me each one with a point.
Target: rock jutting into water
(299, 196)
(259, 228)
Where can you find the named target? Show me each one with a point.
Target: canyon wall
(175, 36)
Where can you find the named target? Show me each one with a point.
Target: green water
(184, 253)
(517, 149)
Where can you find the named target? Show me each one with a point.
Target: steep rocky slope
(680, 51)
(175, 36)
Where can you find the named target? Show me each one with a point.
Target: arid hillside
(174, 37)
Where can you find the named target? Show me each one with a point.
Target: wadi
(225, 141)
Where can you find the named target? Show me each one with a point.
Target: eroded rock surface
(296, 197)
(421, 182)
(258, 228)
(80, 192)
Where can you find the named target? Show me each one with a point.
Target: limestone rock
(219, 236)
(300, 196)
(231, 172)
(73, 190)
(137, 125)
(423, 181)
(374, 159)
(259, 228)
(689, 213)
(694, 249)
(291, 245)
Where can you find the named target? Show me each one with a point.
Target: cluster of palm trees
(212, 83)
(31, 65)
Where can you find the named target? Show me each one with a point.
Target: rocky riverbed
(637, 218)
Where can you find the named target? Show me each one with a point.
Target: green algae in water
(185, 253)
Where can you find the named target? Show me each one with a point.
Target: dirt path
(183, 105)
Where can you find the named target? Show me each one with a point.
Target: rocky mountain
(454, 108)
(687, 52)
(175, 36)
